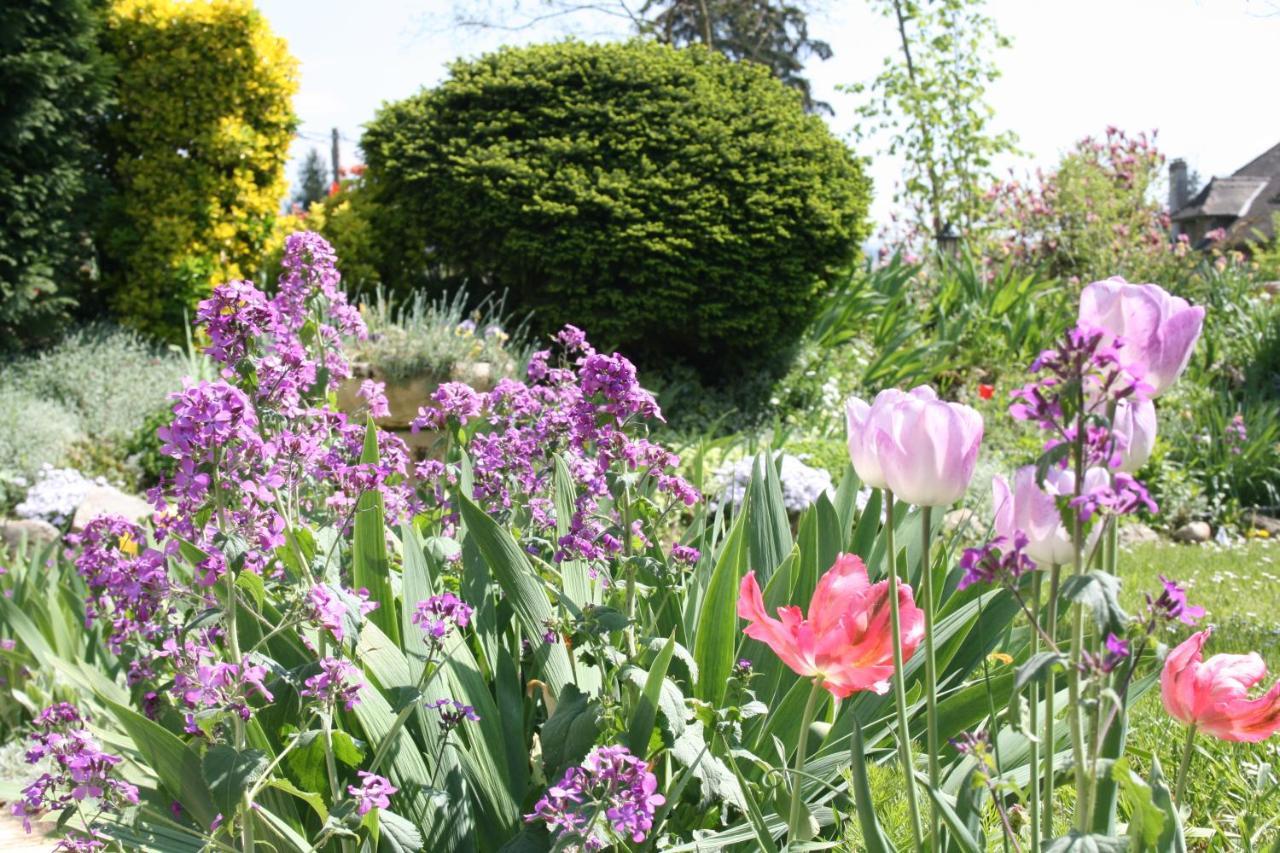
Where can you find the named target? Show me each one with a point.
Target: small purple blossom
(374, 792)
(338, 682)
(685, 554)
(454, 713)
(440, 614)
(997, 561)
(1171, 605)
(610, 797)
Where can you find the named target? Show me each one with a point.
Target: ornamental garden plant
(541, 636)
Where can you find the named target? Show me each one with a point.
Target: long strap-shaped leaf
(370, 567)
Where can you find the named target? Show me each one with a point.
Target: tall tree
(53, 91)
(928, 105)
(773, 33)
(313, 182)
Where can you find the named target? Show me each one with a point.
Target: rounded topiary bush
(677, 204)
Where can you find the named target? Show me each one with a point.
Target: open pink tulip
(846, 638)
(860, 423)
(1027, 508)
(926, 448)
(1159, 330)
(1135, 428)
(1213, 695)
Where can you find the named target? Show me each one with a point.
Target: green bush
(52, 88)
(199, 147)
(33, 432)
(674, 203)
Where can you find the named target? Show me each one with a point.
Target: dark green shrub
(52, 89)
(674, 203)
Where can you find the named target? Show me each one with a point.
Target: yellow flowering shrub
(200, 144)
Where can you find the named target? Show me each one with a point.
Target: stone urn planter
(406, 395)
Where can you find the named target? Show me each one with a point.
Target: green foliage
(931, 105)
(676, 204)
(197, 158)
(33, 432)
(52, 91)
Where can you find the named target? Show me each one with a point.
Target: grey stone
(1136, 532)
(108, 500)
(1192, 532)
(1258, 521)
(14, 530)
(959, 520)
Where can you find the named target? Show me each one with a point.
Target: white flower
(55, 495)
(801, 484)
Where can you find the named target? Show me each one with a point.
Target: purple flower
(611, 797)
(375, 395)
(374, 792)
(1002, 560)
(1172, 604)
(440, 614)
(337, 682)
(454, 713)
(685, 554)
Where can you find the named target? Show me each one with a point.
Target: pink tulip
(1213, 695)
(926, 448)
(1134, 426)
(861, 421)
(846, 638)
(1033, 511)
(1159, 331)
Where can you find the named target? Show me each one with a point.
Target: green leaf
(960, 833)
(229, 772)
(370, 567)
(873, 836)
(1037, 668)
(646, 710)
(1100, 592)
(397, 835)
(251, 584)
(1146, 820)
(515, 574)
(174, 762)
(311, 798)
(1171, 838)
(306, 760)
(764, 838)
(769, 529)
(718, 631)
(570, 732)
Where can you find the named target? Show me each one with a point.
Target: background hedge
(674, 203)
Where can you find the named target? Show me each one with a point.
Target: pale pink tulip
(860, 424)
(846, 638)
(1026, 507)
(1158, 330)
(1213, 695)
(926, 448)
(1135, 428)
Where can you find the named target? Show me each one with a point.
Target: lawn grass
(1234, 789)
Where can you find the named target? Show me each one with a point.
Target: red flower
(986, 392)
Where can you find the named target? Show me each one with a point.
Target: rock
(33, 530)
(108, 500)
(958, 520)
(1192, 532)
(1258, 521)
(1136, 532)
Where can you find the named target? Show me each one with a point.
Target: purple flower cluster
(1171, 606)
(337, 682)
(1115, 652)
(373, 792)
(996, 561)
(76, 771)
(128, 584)
(212, 685)
(584, 413)
(454, 713)
(611, 795)
(334, 610)
(440, 614)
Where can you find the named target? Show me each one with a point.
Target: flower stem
(1033, 746)
(797, 829)
(930, 670)
(1180, 788)
(1050, 694)
(899, 676)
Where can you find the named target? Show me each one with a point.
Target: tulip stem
(1033, 747)
(899, 676)
(1187, 751)
(930, 670)
(797, 830)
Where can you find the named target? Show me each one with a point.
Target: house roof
(1249, 198)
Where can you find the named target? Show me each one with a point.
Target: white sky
(1202, 72)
